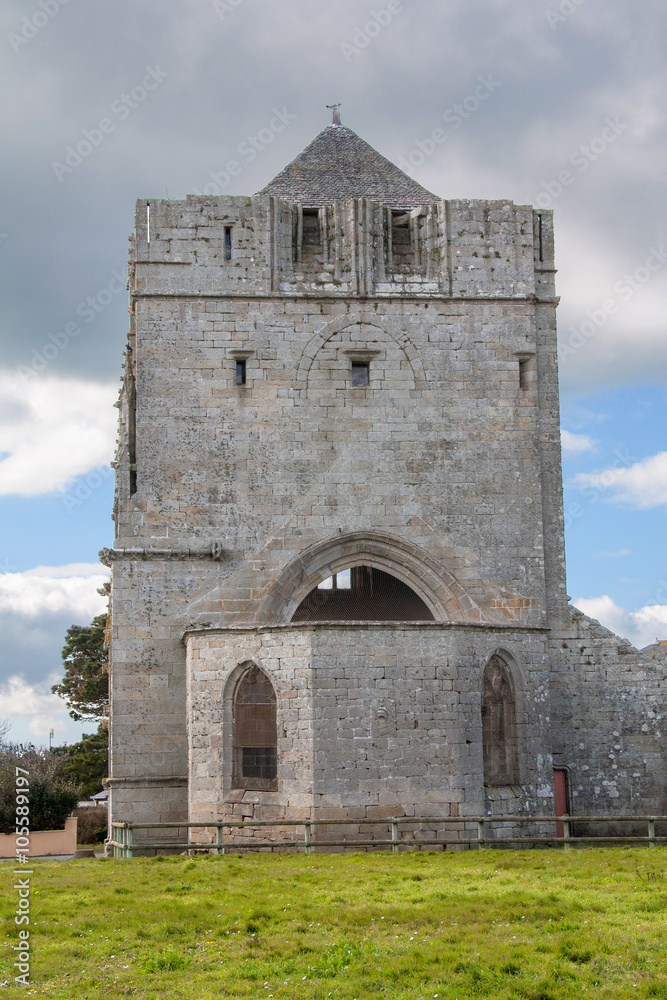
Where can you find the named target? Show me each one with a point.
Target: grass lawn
(537, 925)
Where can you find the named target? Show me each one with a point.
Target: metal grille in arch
(362, 593)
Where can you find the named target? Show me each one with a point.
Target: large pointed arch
(438, 589)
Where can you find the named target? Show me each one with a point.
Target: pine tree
(85, 687)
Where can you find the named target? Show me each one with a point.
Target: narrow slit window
(361, 373)
(241, 372)
(540, 238)
(228, 242)
(523, 373)
(131, 426)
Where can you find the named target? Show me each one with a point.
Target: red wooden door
(560, 797)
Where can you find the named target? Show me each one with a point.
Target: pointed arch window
(255, 732)
(501, 762)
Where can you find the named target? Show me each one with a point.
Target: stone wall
(233, 501)
(487, 249)
(441, 452)
(609, 726)
(148, 736)
(374, 721)
(443, 448)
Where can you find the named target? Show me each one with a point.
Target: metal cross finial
(336, 113)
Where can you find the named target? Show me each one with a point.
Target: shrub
(86, 763)
(52, 796)
(92, 827)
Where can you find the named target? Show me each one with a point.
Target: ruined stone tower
(338, 584)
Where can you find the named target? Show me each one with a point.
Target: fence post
(480, 834)
(307, 840)
(123, 840)
(394, 836)
(651, 831)
(129, 843)
(220, 845)
(566, 835)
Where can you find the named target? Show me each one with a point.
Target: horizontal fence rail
(124, 846)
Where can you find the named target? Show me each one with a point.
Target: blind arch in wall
(501, 759)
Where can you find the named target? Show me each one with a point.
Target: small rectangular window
(360, 373)
(228, 242)
(523, 373)
(240, 373)
(133, 482)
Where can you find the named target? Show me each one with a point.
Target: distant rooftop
(337, 165)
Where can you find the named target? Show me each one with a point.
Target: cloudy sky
(109, 102)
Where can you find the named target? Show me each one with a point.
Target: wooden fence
(124, 846)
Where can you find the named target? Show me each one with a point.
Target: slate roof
(337, 165)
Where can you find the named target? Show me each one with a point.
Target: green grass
(527, 925)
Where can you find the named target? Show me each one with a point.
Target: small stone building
(338, 580)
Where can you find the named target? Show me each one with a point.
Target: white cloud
(575, 444)
(60, 590)
(37, 607)
(71, 569)
(611, 323)
(612, 555)
(34, 710)
(641, 627)
(641, 485)
(52, 429)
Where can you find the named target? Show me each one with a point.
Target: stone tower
(338, 584)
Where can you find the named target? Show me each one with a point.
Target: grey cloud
(226, 74)
(32, 648)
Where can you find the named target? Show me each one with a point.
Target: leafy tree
(86, 763)
(52, 795)
(85, 687)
